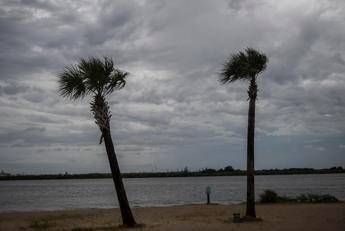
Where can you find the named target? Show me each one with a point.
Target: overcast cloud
(173, 112)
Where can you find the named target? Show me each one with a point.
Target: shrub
(314, 198)
(269, 196)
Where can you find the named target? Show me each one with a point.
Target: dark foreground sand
(323, 217)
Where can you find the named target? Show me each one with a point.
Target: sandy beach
(187, 217)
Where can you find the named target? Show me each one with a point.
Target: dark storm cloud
(12, 89)
(173, 112)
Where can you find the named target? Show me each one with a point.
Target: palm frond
(243, 65)
(108, 66)
(91, 75)
(116, 82)
(71, 83)
(94, 74)
(235, 68)
(257, 61)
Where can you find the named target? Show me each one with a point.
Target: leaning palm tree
(247, 65)
(99, 78)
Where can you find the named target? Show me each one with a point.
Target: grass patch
(95, 229)
(99, 228)
(82, 229)
(270, 196)
(40, 224)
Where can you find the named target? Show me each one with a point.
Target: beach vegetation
(270, 196)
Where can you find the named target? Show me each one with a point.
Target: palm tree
(247, 65)
(99, 78)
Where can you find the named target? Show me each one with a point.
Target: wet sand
(187, 217)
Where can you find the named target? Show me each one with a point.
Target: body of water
(99, 193)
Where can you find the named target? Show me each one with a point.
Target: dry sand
(304, 217)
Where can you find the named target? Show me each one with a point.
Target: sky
(173, 112)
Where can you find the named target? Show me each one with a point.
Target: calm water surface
(100, 193)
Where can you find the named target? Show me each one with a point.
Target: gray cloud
(173, 112)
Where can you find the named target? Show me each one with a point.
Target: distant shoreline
(184, 173)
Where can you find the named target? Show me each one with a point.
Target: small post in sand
(208, 193)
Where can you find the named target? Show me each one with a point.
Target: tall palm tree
(247, 65)
(99, 78)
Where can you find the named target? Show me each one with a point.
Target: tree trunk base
(135, 225)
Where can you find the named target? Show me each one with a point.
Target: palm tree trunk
(127, 216)
(250, 210)
(100, 109)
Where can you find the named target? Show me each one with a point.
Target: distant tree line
(226, 171)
